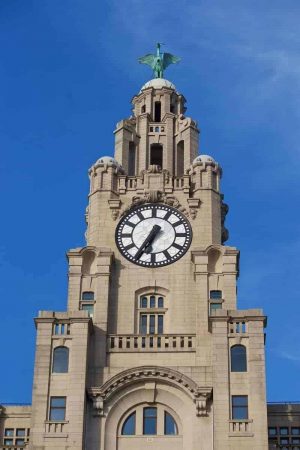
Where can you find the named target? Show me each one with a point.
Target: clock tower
(152, 352)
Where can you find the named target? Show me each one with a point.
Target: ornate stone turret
(158, 133)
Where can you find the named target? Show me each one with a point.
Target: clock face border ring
(147, 264)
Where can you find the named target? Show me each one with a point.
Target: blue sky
(69, 69)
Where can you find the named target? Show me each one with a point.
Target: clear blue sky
(68, 72)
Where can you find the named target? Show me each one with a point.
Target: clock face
(153, 235)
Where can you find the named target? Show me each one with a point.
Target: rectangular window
(214, 306)
(8, 442)
(89, 308)
(284, 441)
(150, 421)
(152, 324)
(152, 301)
(240, 407)
(160, 324)
(284, 431)
(9, 432)
(57, 411)
(272, 431)
(295, 440)
(20, 442)
(20, 431)
(143, 324)
(296, 431)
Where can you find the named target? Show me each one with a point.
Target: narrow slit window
(157, 112)
(156, 155)
(150, 421)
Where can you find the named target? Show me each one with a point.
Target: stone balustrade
(55, 427)
(240, 426)
(151, 343)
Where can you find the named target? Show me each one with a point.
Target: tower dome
(204, 159)
(158, 83)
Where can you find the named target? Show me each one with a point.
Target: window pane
(57, 408)
(272, 431)
(128, 428)
(143, 302)
(143, 324)
(214, 306)
(296, 431)
(215, 294)
(284, 440)
(160, 325)
(89, 309)
(170, 424)
(295, 440)
(21, 432)
(60, 360)
(56, 328)
(152, 301)
(8, 441)
(284, 430)
(20, 441)
(150, 421)
(160, 302)
(88, 295)
(9, 432)
(240, 407)
(152, 325)
(238, 355)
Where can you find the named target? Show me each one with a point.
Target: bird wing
(147, 59)
(170, 59)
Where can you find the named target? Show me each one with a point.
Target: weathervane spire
(159, 62)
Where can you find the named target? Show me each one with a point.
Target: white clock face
(153, 235)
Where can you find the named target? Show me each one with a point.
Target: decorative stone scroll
(200, 395)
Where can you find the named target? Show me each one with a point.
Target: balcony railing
(151, 343)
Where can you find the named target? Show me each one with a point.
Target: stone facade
(202, 373)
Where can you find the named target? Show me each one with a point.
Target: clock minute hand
(147, 241)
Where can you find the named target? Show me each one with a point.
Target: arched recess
(151, 385)
(89, 264)
(180, 159)
(215, 260)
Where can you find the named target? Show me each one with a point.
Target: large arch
(153, 385)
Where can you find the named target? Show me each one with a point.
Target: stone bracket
(201, 398)
(114, 205)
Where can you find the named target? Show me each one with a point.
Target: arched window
(60, 360)
(88, 295)
(156, 155)
(128, 428)
(170, 424)
(238, 357)
(151, 314)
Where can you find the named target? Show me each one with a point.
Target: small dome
(204, 159)
(158, 83)
(109, 160)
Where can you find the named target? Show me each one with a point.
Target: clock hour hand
(147, 242)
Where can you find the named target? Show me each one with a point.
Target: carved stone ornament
(201, 400)
(98, 405)
(194, 204)
(156, 196)
(115, 205)
(184, 122)
(200, 395)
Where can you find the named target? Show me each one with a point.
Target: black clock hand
(147, 241)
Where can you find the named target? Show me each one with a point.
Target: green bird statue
(159, 62)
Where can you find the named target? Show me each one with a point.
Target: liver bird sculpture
(159, 62)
